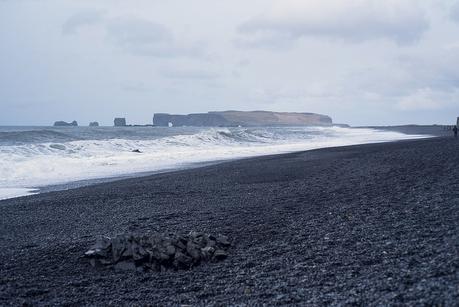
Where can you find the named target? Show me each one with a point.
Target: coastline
(144, 169)
(364, 224)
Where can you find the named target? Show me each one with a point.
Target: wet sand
(366, 225)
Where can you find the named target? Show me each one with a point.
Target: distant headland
(225, 119)
(65, 124)
(241, 118)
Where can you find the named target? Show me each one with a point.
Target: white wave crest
(34, 165)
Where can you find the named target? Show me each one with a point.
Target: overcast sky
(361, 62)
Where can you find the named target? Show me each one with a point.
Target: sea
(37, 159)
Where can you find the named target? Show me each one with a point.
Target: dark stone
(211, 242)
(200, 241)
(136, 151)
(182, 261)
(139, 253)
(119, 245)
(207, 252)
(220, 254)
(194, 251)
(100, 248)
(223, 240)
(170, 250)
(157, 252)
(180, 244)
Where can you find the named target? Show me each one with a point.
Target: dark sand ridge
(367, 224)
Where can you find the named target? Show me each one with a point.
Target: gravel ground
(360, 225)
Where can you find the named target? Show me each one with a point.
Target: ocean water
(36, 157)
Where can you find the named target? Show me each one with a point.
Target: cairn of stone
(158, 252)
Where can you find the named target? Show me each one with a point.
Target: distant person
(455, 131)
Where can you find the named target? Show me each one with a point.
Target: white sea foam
(6, 193)
(29, 165)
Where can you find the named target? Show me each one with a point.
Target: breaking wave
(38, 158)
(22, 137)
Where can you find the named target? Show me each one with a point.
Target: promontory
(65, 124)
(241, 118)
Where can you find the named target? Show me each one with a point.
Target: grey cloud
(455, 12)
(351, 22)
(429, 99)
(414, 81)
(433, 83)
(307, 93)
(74, 23)
(195, 74)
(265, 39)
(136, 87)
(146, 38)
(437, 70)
(123, 63)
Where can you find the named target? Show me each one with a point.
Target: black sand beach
(358, 225)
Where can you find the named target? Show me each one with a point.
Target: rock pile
(158, 252)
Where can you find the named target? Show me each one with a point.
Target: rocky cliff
(239, 118)
(208, 120)
(119, 122)
(65, 124)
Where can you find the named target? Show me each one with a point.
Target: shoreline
(364, 224)
(17, 192)
(90, 182)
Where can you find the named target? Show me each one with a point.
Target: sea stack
(65, 124)
(120, 122)
(93, 124)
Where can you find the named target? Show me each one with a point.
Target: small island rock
(120, 122)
